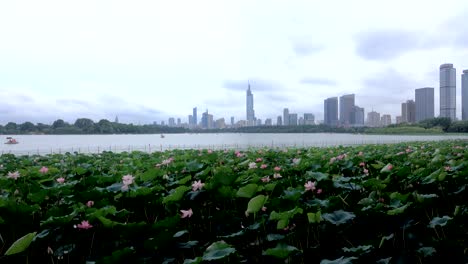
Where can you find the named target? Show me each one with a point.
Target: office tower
(250, 107)
(190, 120)
(398, 120)
(331, 111)
(232, 120)
(171, 122)
(293, 119)
(448, 91)
(204, 119)
(424, 103)
(286, 117)
(373, 119)
(279, 121)
(268, 122)
(300, 121)
(408, 112)
(194, 117)
(210, 121)
(309, 119)
(179, 122)
(464, 95)
(258, 122)
(346, 108)
(357, 116)
(220, 123)
(386, 120)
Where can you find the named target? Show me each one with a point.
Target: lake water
(45, 144)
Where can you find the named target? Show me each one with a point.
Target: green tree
(59, 123)
(85, 124)
(27, 127)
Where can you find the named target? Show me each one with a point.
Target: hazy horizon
(147, 61)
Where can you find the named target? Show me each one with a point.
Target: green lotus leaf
(338, 217)
(21, 244)
(281, 251)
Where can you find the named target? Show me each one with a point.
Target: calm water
(44, 144)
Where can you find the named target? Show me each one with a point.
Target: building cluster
(343, 111)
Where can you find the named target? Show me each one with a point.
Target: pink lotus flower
(239, 155)
(309, 186)
(264, 209)
(84, 225)
(43, 170)
(277, 176)
(408, 150)
(258, 160)
(186, 213)
(332, 160)
(197, 185)
(263, 166)
(127, 179)
(252, 165)
(360, 153)
(366, 172)
(277, 168)
(319, 191)
(210, 151)
(400, 153)
(266, 179)
(61, 180)
(13, 175)
(447, 168)
(362, 164)
(387, 168)
(167, 161)
(90, 203)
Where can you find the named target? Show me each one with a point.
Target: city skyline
(66, 60)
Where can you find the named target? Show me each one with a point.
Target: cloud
(319, 81)
(387, 44)
(306, 47)
(255, 85)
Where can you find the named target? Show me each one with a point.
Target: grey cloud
(73, 102)
(387, 44)
(319, 81)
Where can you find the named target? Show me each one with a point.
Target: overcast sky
(146, 61)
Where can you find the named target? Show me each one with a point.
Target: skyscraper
(331, 111)
(194, 117)
(448, 91)
(286, 117)
(346, 108)
(279, 121)
(250, 107)
(293, 119)
(309, 119)
(357, 116)
(373, 119)
(408, 112)
(424, 103)
(385, 120)
(464, 97)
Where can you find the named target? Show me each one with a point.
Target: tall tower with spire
(250, 107)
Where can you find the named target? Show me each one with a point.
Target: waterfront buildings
(424, 103)
(386, 120)
(447, 91)
(331, 111)
(373, 119)
(408, 112)
(293, 119)
(357, 116)
(464, 95)
(286, 117)
(309, 119)
(279, 121)
(346, 109)
(194, 117)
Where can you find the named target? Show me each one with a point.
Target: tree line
(88, 126)
(85, 126)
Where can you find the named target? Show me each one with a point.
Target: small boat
(162, 136)
(11, 141)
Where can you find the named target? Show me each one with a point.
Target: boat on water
(162, 136)
(11, 141)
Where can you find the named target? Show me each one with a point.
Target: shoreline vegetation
(396, 203)
(82, 126)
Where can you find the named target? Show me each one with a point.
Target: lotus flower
(61, 180)
(197, 185)
(263, 166)
(186, 213)
(13, 175)
(252, 165)
(277, 168)
(296, 161)
(266, 179)
(43, 170)
(258, 160)
(84, 225)
(277, 176)
(127, 179)
(309, 186)
(90, 203)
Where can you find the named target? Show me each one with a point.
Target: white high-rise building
(330, 106)
(250, 107)
(448, 91)
(286, 117)
(464, 97)
(424, 103)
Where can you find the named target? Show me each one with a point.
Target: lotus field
(403, 203)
